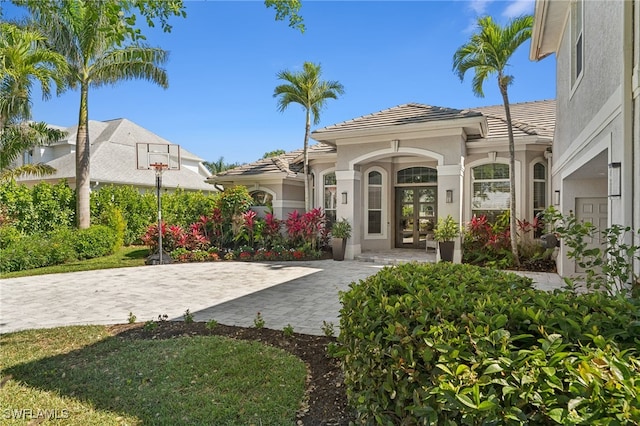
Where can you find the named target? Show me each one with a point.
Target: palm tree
(83, 32)
(219, 165)
(306, 89)
(23, 59)
(488, 53)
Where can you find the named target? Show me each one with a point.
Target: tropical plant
(446, 229)
(24, 59)
(341, 229)
(101, 44)
(488, 53)
(308, 90)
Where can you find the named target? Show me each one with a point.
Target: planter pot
(446, 250)
(338, 247)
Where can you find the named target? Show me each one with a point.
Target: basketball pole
(158, 186)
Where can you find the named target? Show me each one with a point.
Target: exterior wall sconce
(556, 197)
(615, 179)
(449, 198)
(344, 197)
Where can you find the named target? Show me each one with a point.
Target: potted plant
(340, 233)
(446, 231)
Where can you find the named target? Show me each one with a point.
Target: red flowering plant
(271, 232)
(485, 242)
(308, 228)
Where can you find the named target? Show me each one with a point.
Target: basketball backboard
(151, 156)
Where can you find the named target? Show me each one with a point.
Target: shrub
(139, 210)
(8, 235)
(459, 344)
(40, 209)
(95, 241)
(186, 207)
(35, 251)
(113, 218)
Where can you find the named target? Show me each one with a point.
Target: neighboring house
(113, 159)
(596, 147)
(394, 172)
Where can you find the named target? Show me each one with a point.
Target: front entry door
(415, 215)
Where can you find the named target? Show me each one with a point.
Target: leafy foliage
(459, 344)
(609, 267)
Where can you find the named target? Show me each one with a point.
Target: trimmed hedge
(61, 246)
(459, 344)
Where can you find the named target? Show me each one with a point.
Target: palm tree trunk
(307, 197)
(512, 177)
(83, 155)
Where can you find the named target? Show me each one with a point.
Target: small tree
(488, 53)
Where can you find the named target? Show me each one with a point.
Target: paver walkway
(302, 294)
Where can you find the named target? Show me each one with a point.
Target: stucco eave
(262, 177)
(549, 19)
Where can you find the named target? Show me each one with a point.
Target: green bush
(35, 251)
(458, 344)
(95, 241)
(139, 210)
(40, 209)
(8, 235)
(184, 208)
(113, 218)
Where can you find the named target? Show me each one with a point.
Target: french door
(416, 215)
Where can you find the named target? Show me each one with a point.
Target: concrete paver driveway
(302, 294)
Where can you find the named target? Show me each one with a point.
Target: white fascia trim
(401, 150)
(605, 116)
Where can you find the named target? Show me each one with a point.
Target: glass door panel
(415, 215)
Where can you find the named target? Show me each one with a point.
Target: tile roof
(113, 158)
(529, 119)
(411, 113)
(283, 164)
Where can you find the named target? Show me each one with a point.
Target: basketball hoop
(158, 157)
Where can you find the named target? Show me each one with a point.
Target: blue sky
(225, 55)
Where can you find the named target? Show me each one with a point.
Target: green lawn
(85, 376)
(126, 256)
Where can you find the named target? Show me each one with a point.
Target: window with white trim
(374, 203)
(27, 157)
(539, 188)
(577, 40)
(330, 191)
(491, 192)
(261, 198)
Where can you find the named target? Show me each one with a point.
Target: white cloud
(479, 6)
(518, 8)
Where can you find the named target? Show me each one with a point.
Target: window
(374, 203)
(417, 175)
(539, 188)
(577, 40)
(491, 193)
(261, 198)
(330, 196)
(27, 157)
(539, 193)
